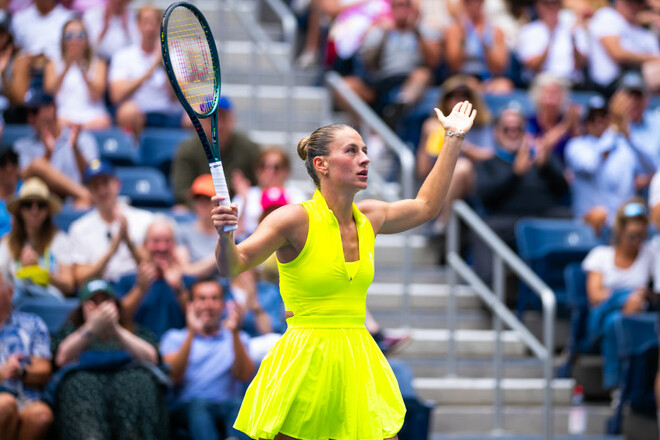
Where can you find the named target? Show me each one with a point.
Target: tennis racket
(193, 68)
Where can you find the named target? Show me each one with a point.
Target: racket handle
(221, 189)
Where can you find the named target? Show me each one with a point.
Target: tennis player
(326, 378)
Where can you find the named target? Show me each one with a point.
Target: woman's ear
(320, 165)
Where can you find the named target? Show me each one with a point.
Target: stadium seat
(158, 147)
(54, 313)
(145, 187)
(548, 246)
(117, 147)
(12, 132)
(67, 216)
(518, 97)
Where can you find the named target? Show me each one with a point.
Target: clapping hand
(11, 368)
(460, 119)
(193, 322)
(102, 318)
(233, 320)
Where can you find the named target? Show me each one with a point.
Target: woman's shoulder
(598, 257)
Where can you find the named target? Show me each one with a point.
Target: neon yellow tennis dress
(325, 378)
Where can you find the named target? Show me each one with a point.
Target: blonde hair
(623, 217)
(318, 144)
(544, 79)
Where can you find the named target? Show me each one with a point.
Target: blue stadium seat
(145, 187)
(518, 97)
(54, 313)
(581, 97)
(548, 246)
(12, 132)
(117, 147)
(158, 147)
(67, 216)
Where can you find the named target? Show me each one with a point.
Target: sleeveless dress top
(325, 378)
(73, 100)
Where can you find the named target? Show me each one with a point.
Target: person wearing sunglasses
(78, 80)
(617, 280)
(35, 252)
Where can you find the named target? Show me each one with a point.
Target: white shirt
(74, 102)
(607, 22)
(63, 158)
(37, 33)
(601, 259)
(533, 39)
(654, 192)
(90, 242)
(154, 94)
(116, 37)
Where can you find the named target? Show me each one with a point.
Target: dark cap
(7, 149)
(595, 105)
(93, 287)
(35, 99)
(632, 82)
(98, 168)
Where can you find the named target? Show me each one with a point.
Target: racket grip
(220, 184)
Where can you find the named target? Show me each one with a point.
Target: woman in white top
(78, 80)
(617, 282)
(34, 251)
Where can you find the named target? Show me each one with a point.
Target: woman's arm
(53, 81)
(596, 291)
(96, 85)
(63, 279)
(497, 55)
(139, 349)
(74, 344)
(454, 44)
(390, 218)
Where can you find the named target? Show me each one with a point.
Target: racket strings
(191, 59)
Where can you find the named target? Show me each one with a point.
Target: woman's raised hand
(460, 119)
(223, 215)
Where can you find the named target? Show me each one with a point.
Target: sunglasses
(80, 35)
(29, 204)
(634, 210)
(635, 236)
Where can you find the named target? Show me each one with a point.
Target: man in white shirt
(103, 239)
(37, 29)
(111, 27)
(617, 40)
(57, 155)
(138, 82)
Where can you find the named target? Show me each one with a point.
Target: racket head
(191, 58)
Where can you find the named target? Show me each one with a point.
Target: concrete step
(308, 100)
(458, 391)
(389, 296)
(469, 343)
(237, 56)
(420, 274)
(516, 368)
(433, 319)
(389, 250)
(519, 422)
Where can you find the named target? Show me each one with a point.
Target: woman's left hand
(460, 119)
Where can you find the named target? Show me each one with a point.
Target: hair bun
(302, 147)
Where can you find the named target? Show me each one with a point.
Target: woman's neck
(341, 204)
(32, 234)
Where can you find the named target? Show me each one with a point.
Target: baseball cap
(35, 99)
(98, 168)
(596, 104)
(274, 197)
(203, 186)
(93, 287)
(632, 81)
(224, 103)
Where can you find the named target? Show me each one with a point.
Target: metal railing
(503, 257)
(370, 120)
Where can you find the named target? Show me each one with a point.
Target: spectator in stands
(273, 168)
(57, 155)
(476, 48)
(523, 179)
(25, 368)
(37, 28)
(12, 86)
(617, 280)
(103, 240)
(77, 79)
(604, 164)
(138, 83)
(156, 295)
(35, 253)
(553, 43)
(208, 361)
(237, 150)
(400, 57)
(617, 42)
(9, 183)
(477, 146)
(106, 388)
(112, 26)
(554, 121)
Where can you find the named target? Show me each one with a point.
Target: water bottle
(577, 414)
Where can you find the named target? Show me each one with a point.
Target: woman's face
(202, 206)
(348, 163)
(34, 212)
(272, 171)
(93, 303)
(551, 99)
(75, 39)
(474, 8)
(633, 235)
(453, 98)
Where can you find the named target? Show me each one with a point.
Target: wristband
(458, 134)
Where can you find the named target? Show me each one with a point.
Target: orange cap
(203, 186)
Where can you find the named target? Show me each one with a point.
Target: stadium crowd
(566, 128)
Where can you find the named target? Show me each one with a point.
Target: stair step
(306, 99)
(433, 319)
(516, 368)
(469, 343)
(476, 423)
(389, 250)
(389, 296)
(477, 391)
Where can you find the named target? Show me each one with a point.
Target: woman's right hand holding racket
(223, 215)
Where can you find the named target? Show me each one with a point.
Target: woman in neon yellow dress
(326, 378)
